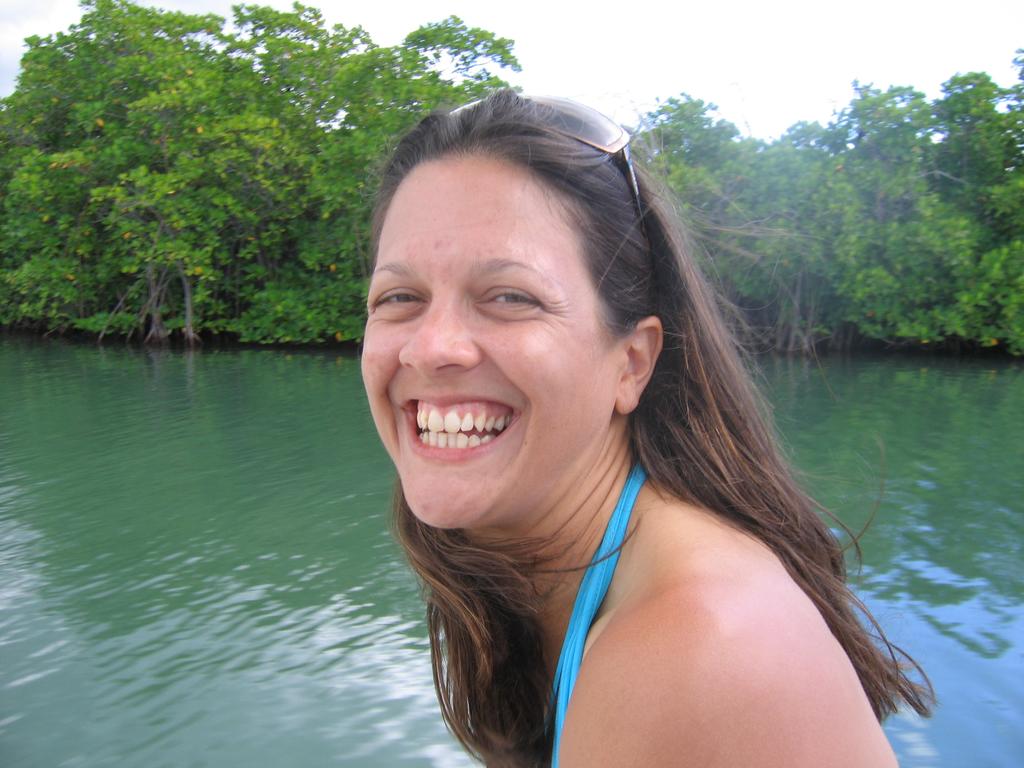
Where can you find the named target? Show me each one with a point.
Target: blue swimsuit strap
(589, 598)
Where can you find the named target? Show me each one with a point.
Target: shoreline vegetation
(173, 178)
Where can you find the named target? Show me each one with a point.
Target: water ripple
(195, 567)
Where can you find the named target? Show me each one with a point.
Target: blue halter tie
(589, 598)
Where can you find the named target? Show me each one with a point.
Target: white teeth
(458, 440)
(449, 430)
(435, 421)
(452, 422)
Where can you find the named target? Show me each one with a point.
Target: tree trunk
(157, 333)
(191, 337)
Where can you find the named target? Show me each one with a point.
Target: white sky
(765, 64)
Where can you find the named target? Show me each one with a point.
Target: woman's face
(491, 378)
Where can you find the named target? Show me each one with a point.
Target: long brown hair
(700, 431)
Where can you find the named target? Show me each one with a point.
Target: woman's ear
(642, 347)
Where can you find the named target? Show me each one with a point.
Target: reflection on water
(195, 567)
(933, 448)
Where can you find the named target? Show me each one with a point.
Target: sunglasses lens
(585, 124)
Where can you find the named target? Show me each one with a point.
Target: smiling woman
(482, 309)
(619, 568)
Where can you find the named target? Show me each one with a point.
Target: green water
(195, 568)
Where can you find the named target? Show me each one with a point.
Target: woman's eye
(395, 298)
(514, 297)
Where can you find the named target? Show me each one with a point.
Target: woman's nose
(441, 338)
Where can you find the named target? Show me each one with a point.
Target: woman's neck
(571, 548)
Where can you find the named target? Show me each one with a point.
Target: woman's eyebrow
(486, 267)
(500, 264)
(394, 267)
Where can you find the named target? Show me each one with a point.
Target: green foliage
(901, 221)
(165, 174)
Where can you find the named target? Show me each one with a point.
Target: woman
(549, 373)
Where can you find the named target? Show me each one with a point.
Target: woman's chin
(439, 509)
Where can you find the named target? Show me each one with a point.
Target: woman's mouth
(463, 425)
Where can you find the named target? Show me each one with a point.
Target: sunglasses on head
(587, 125)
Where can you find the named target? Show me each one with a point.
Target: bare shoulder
(712, 656)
